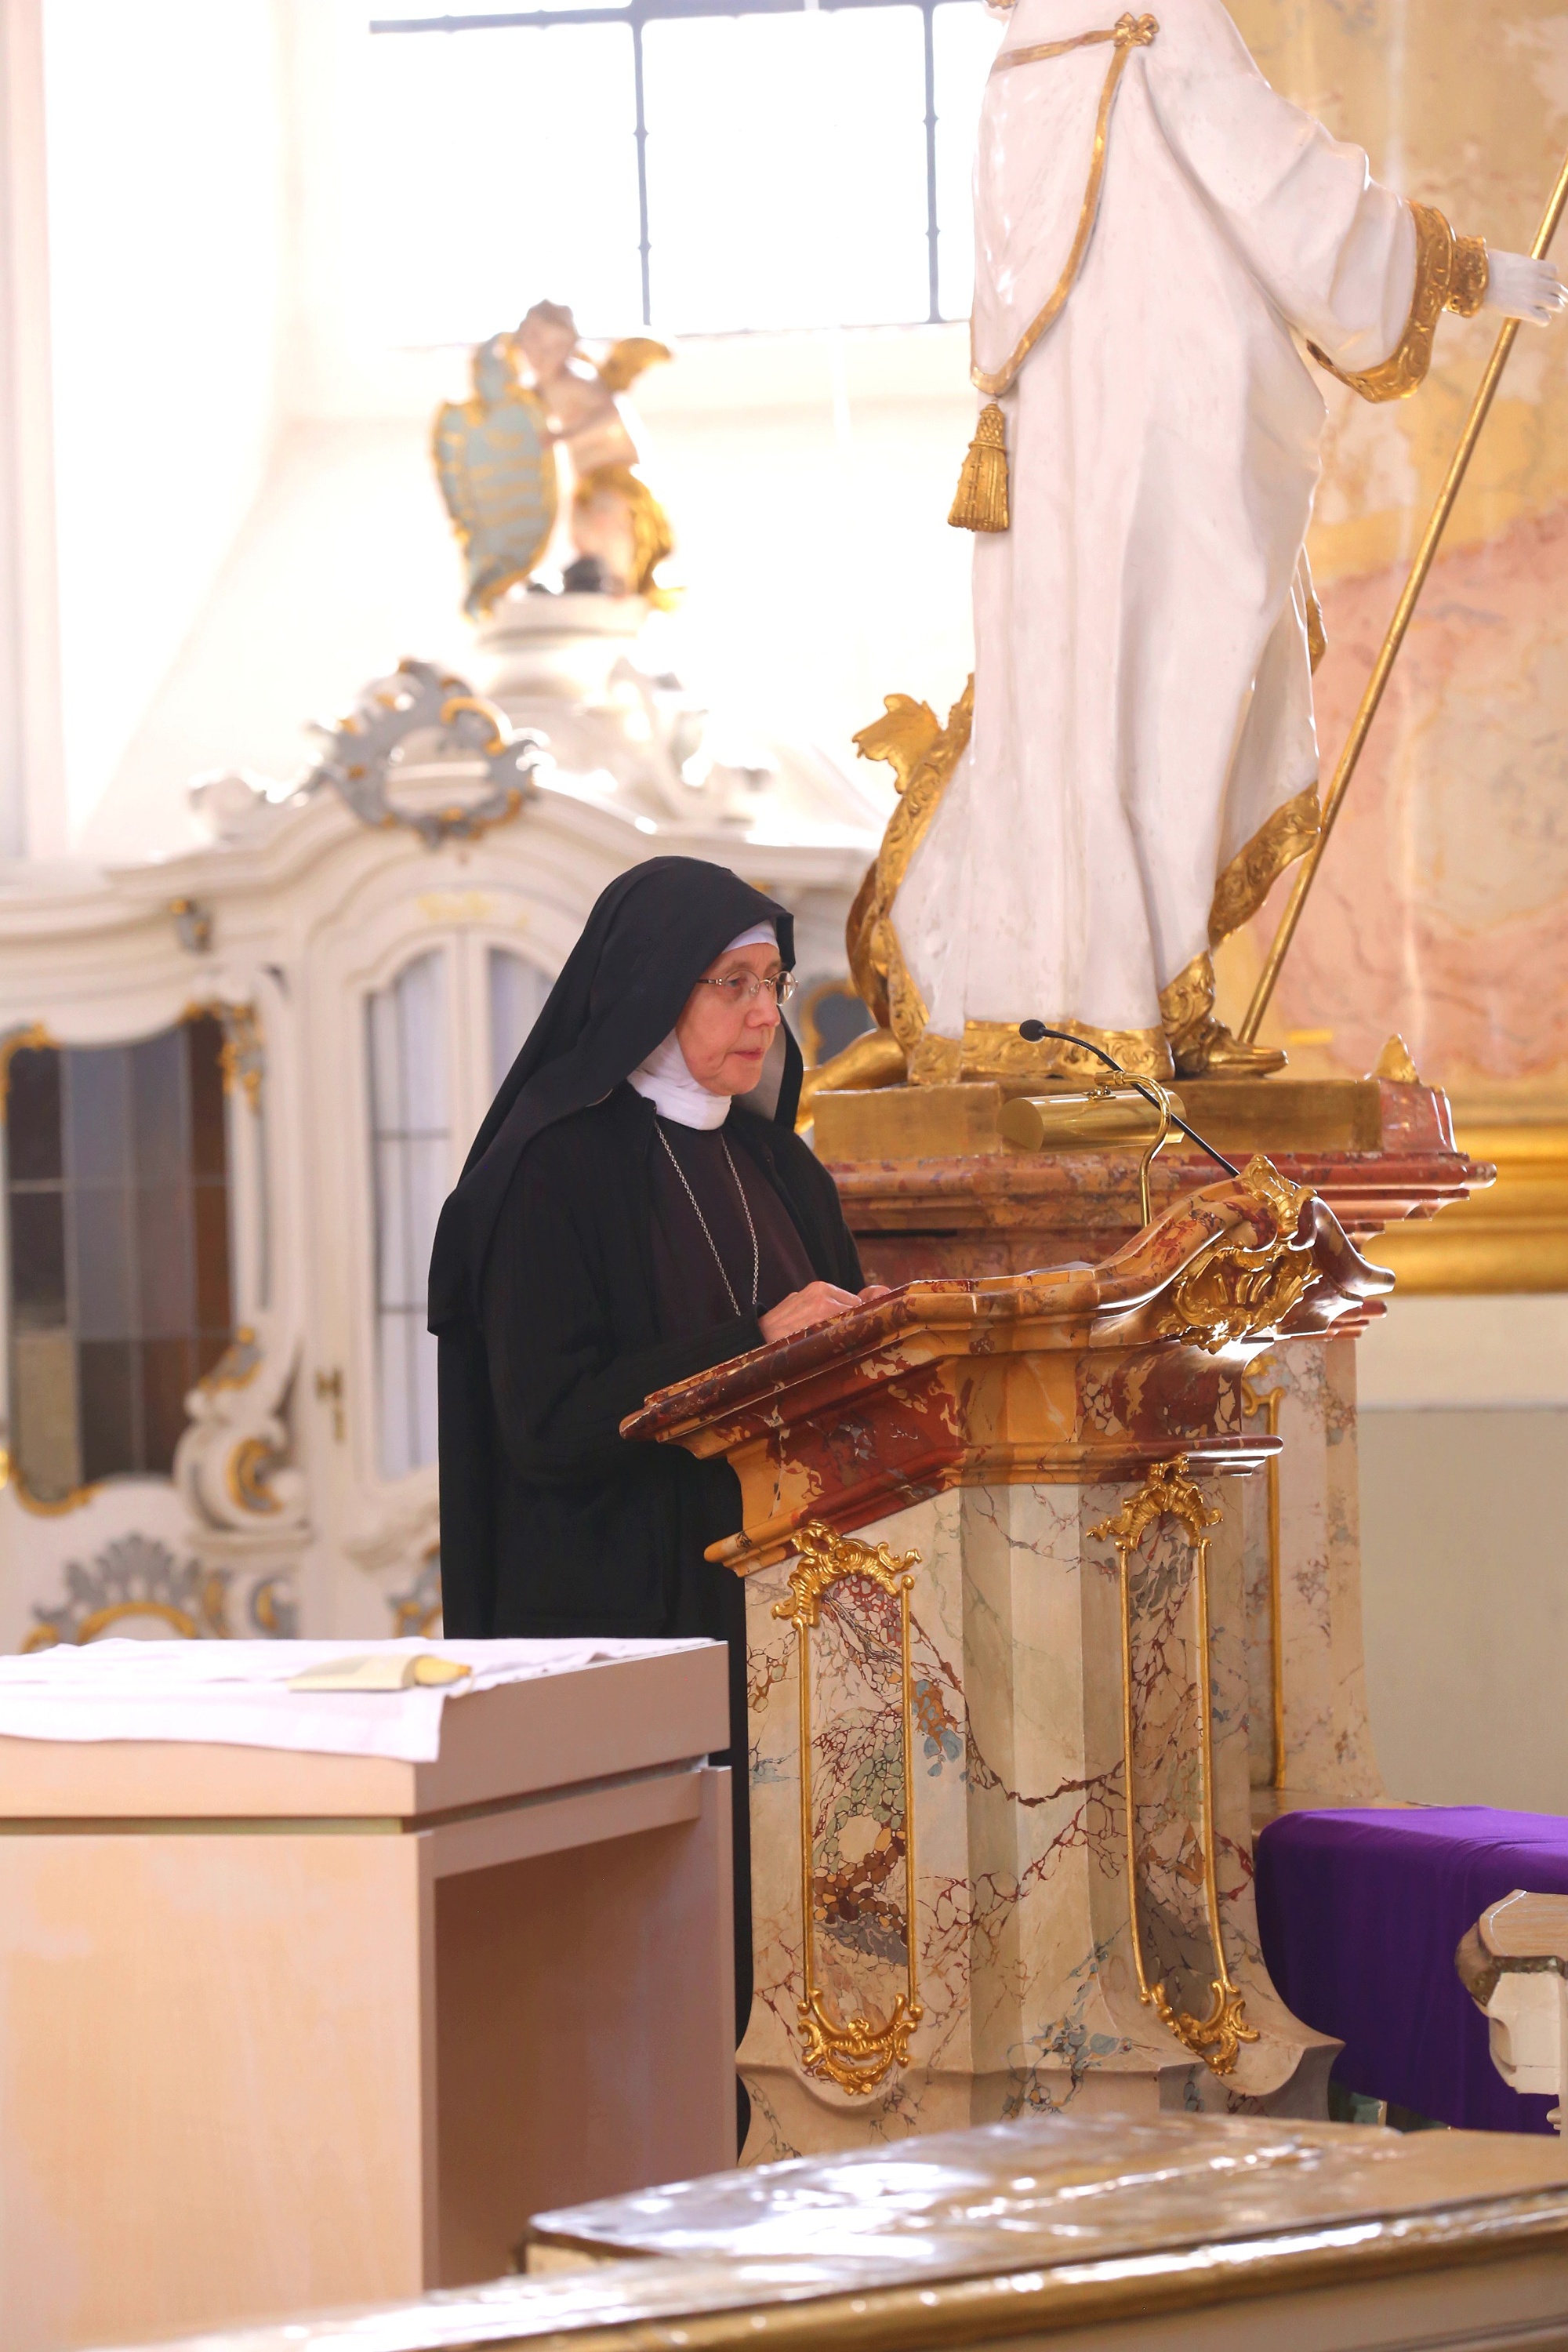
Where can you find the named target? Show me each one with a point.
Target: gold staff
(1436, 523)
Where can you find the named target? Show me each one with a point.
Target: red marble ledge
(1007, 1212)
(1073, 1374)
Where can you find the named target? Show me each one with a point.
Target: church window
(517, 993)
(411, 1144)
(117, 1204)
(709, 168)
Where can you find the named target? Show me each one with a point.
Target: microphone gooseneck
(1033, 1031)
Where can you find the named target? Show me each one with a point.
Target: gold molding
(1451, 274)
(1127, 33)
(33, 1038)
(242, 1058)
(993, 1053)
(1509, 1239)
(247, 1475)
(1169, 1493)
(857, 2054)
(54, 1509)
(1248, 879)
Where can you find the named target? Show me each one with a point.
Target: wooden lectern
(1000, 1814)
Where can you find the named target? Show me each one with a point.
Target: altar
(313, 1996)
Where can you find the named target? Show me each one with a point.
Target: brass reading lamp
(1100, 1118)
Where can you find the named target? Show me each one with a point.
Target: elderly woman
(637, 1207)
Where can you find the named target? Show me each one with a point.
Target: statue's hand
(1522, 289)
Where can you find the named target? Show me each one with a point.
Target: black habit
(571, 1278)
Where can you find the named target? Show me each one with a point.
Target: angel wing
(496, 465)
(625, 360)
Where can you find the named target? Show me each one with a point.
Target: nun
(637, 1207)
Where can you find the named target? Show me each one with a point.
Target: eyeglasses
(739, 988)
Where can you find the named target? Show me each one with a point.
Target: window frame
(637, 15)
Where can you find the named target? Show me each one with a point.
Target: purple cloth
(1359, 1913)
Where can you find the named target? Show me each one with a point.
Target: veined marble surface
(1021, 1925)
(1328, 1750)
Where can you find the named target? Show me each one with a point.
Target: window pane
(164, 1258)
(786, 169)
(108, 1445)
(518, 990)
(397, 1454)
(38, 1260)
(215, 1310)
(158, 1097)
(421, 1006)
(168, 1374)
(208, 1120)
(406, 1034)
(120, 1266)
(98, 1115)
(101, 1263)
(964, 43)
(44, 1414)
(488, 170)
(33, 1116)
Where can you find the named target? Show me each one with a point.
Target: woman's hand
(819, 1302)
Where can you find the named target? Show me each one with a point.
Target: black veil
(649, 939)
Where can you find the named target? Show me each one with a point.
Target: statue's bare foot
(1212, 1052)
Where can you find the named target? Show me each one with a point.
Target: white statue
(1157, 235)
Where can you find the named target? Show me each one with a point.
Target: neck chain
(746, 1208)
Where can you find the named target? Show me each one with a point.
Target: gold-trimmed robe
(1142, 761)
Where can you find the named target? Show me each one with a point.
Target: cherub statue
(497, 460)
(619, 530)
(1161, 239)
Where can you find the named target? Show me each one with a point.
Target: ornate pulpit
(999, 1779)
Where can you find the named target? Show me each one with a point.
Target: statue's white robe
(1142, 687)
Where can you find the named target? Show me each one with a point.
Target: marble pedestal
(931, 1186)
(993, 1541)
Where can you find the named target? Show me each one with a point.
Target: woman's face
(723, 1036)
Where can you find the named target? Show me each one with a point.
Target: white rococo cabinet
(354, 966)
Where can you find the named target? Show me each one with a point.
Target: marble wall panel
(1442, 906)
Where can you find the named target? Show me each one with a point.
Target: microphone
(1032, 1032)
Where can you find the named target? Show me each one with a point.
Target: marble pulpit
(999, 1779)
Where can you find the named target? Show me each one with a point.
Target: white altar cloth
(237, 1695)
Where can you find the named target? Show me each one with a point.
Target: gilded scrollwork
(134, 1579)
(1235, 1293)
(1169, 1492)
(922, 754)
(361, 760)
(243, 1059)
(231, 1463)
(856, 2054)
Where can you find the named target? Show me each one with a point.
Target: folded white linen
(237, 1695)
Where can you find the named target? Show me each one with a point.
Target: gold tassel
(980, 501)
